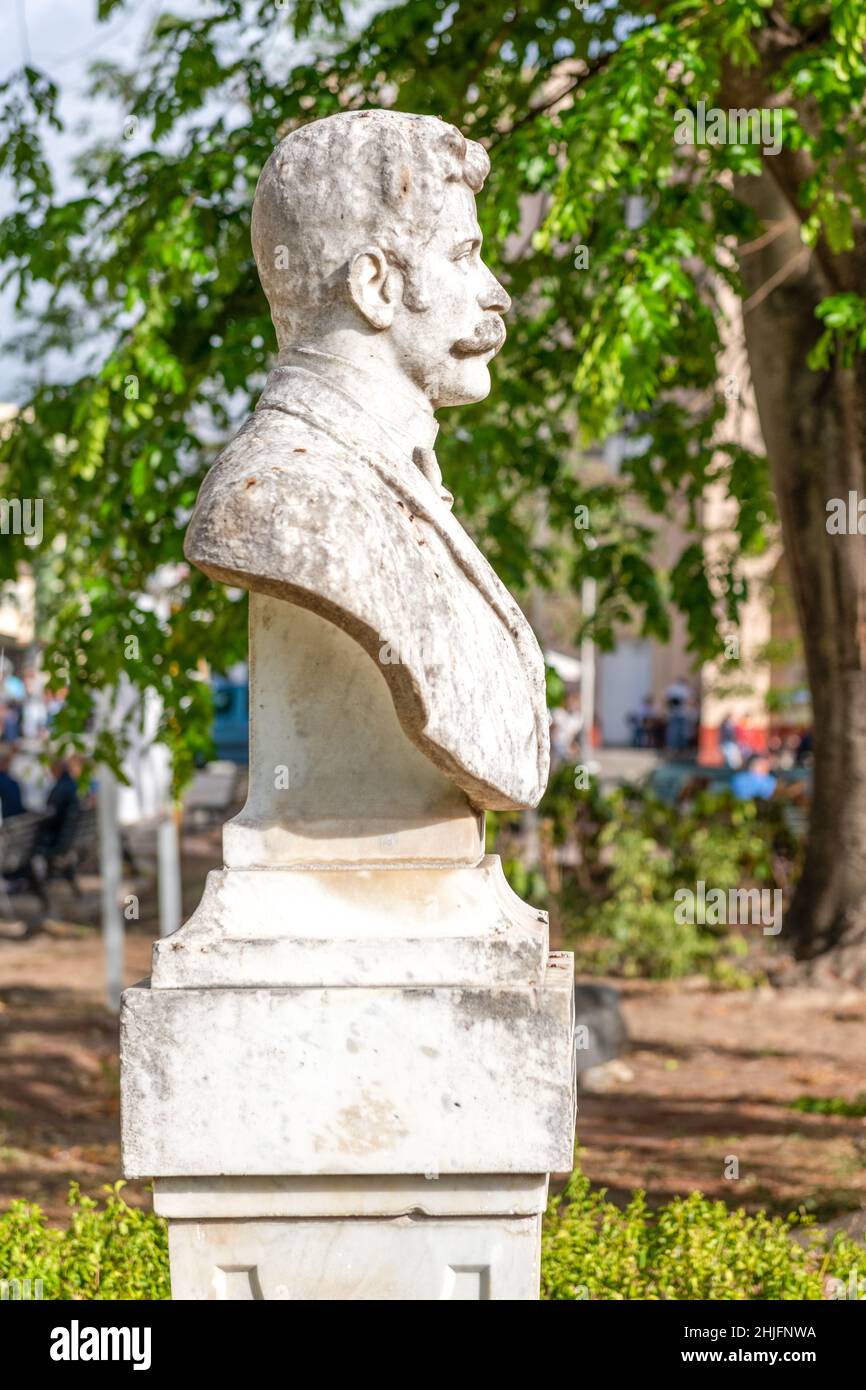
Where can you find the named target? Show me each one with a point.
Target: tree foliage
(150, 265)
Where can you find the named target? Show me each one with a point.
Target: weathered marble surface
(358, 535)
(349, 1080)
(388, 1194)
(404, 1259)
(334, 781)
(329, 497)
(353, 1068)
(397, 926)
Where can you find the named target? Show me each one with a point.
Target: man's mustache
(488, 336)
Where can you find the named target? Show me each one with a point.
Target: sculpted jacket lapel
(329, 408)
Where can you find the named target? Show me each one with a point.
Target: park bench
(213, 792)
(23, 865)
(18, 839)
(78, 842)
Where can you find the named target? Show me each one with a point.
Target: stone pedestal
(350, 1238)
(352, 1070)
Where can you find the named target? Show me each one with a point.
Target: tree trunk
(813, 427)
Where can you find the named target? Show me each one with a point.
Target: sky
(61, 38)
(61, 35)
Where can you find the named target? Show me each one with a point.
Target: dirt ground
(709, 1077)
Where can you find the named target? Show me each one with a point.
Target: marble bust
(352, 1069)
(330, 496)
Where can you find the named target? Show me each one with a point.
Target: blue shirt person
(754, 782)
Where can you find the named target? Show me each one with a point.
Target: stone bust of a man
(330, 497)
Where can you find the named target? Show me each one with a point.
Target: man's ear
(373, 286)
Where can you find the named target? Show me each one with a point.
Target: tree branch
(597, 65)
(777, 278)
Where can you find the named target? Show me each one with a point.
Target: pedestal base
(324, 1141)
(408, 1239)
(353, 1068)
(411, 1080)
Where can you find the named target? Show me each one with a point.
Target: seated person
(11, 803)
(62, 805)
(755, 781)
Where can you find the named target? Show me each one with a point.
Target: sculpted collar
(359, 408)
(318, 400)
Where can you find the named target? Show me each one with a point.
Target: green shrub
(109, 1252)
(831, 1105)
(691, 1248)
(614, 905)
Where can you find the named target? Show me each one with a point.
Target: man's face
(445, 348)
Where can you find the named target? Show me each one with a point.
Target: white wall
(625, 677)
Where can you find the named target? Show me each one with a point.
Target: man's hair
(358, 178)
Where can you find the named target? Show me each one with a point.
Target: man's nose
(494, 296)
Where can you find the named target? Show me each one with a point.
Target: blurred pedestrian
(677, 698)
(647, 718)
(729, 743)
(566, 722)
(62, 805)
(11, 723)
(754, 782)
(804, 748)
(11, 800)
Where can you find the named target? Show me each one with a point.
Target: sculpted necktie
(426, 460)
